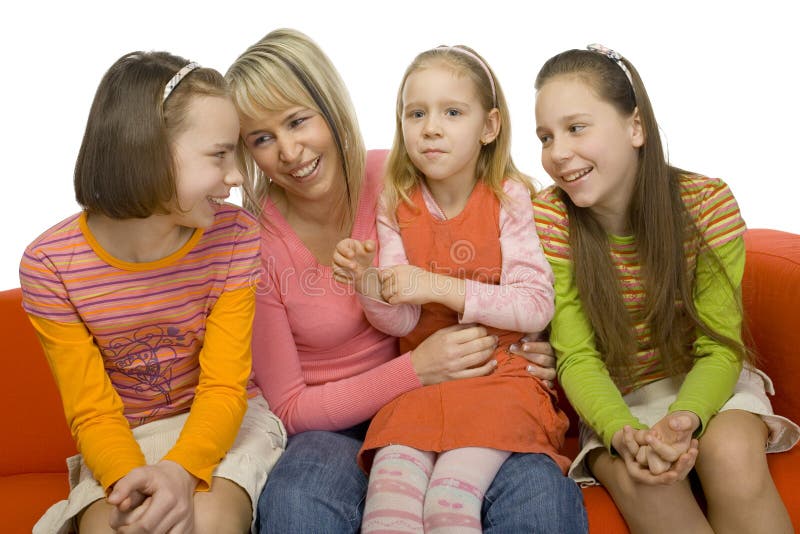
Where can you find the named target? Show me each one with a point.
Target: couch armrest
(771, 298)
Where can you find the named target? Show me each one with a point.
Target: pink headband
(480, 62)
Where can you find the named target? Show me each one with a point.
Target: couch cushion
(24, 498)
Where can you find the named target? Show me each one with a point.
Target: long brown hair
(661, 225)
(494, 161)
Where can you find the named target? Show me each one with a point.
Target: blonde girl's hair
(285, 69)
(494, 161)
(660, 222)
(125, 167)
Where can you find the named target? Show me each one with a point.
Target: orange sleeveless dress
(508, 409)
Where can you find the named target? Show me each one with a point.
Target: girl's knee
(226, 509)
(94, 518)
(734, 439)
(733, 449)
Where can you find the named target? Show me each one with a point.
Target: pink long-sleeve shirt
(318, 361)
(526, 302)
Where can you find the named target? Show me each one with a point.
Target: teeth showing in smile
(575, 175)
(217, 200)
(308, 169)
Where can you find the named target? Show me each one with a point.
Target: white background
(721, 78)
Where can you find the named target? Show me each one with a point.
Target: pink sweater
(318, 361)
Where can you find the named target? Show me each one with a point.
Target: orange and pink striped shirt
(149, 323)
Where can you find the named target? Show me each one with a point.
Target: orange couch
(36, 440)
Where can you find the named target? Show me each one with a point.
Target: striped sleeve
(552, 225)
(244, 270)
(43, 292)
(714, 209)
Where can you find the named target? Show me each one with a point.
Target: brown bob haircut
(125, 168)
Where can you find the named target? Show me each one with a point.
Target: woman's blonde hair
(494, 161)
(284, 69)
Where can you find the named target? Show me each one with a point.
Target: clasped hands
(153, 499)
(399, 284)
(662, 454)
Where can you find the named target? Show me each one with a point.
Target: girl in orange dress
(458, 244)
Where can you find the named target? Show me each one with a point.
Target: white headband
(175, 80)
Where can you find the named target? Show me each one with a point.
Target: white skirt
(651, 402)
(258, 445)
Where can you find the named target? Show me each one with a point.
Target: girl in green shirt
(648, 261)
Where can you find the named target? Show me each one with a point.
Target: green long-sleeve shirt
(581, 369)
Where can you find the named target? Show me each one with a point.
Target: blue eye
(416, 114)
(452, 112)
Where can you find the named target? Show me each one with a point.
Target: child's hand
(352, 264)
(629, 442)
(650, 459)
(154, 498)
(406, 284)
(668, 439)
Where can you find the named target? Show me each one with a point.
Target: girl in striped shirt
(144, 304)
(648, 261)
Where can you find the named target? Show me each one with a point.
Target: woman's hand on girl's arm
(541, 356)
(352, 264)
(458, 351)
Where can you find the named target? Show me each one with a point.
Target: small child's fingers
(369, 245)
(342, 274)
(338, 260)
(684, 465)
(388, 285)
(134, 499)
(345, 248)
(641, 455)
(629, 440)
(385, 274)
(640, 435)
(667, 452)
(656, 463)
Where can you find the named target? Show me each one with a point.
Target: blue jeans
(317, 488)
